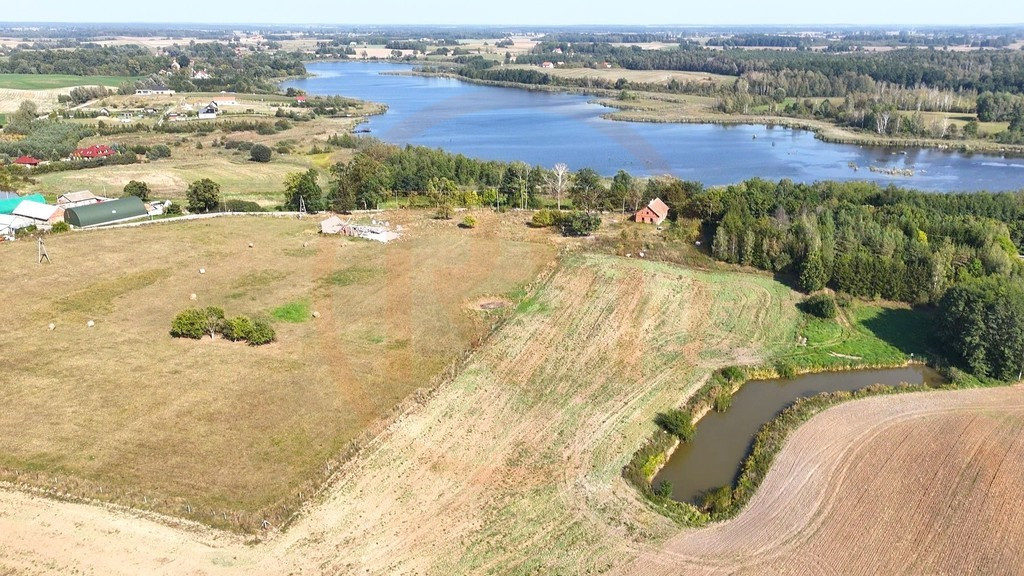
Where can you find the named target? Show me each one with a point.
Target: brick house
(654, 213)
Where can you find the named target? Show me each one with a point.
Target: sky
(527, 12)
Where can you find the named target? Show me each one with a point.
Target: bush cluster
(196, 323)
(821, 305)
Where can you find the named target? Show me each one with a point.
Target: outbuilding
(654, 213)
(80, 198)
(8, 205)
(40, 213)
(104, 213)
(27, 161)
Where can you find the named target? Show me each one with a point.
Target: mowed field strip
(514, 466)
(924, 483)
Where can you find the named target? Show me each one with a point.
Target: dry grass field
(215, 430)
(520, 453)
(513, 466)
(914, 484)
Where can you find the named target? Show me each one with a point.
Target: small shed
(8, 205)
(654, 213)
(104, 213)
(332, 225)
(38, 212)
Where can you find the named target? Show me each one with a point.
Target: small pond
(713, 459)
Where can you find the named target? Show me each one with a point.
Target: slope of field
(643, 76)
(215, 430)
(913, 484)
(512, 467)
(48, 81)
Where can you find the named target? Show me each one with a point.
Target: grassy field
(216, 430)
(50, 81)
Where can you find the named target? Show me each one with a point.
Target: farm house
(39, 213)
(104, 213)
(654, 213)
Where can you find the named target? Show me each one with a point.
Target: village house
(654, 213)
(209, 112)
(27, 161)
(547, 65)
(93, 152)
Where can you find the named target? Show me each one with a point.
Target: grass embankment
(231, 435)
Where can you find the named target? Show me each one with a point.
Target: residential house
(547, 65)
(654, 213)
(27, 161)
(93, 152)
(155, 91)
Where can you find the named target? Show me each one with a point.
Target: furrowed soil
(513, 466)
(925, 483)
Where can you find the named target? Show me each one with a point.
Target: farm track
(514, 466)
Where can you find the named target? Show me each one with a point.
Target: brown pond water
(714, 457)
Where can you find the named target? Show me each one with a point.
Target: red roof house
(93, 152)
(300, 99)
(654, 213)
(27, 161)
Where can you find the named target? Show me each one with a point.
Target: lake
(544, 128)
(722, 440)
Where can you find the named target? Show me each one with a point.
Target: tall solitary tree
(559, 182)
(203, 195)
(138, 189)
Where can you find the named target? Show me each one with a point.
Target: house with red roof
(27, 161)
(654, 213)
(93, 152)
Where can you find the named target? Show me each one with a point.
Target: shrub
(581, 224)
(723, 400)
(786, 370)
(260, 153)
(543, 219)
(195, 322)
(59, 227)
(677, 422)
(261, 333)
(235, 205)
(238, 328)
(734, 374)
(821, 305)
(158, 151)
(717, 500)
(172, 209)
(468, 222)
(664, 489)
(265, 129)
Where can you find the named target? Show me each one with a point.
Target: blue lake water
(545, 128)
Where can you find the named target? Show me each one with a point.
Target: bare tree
(559, 182)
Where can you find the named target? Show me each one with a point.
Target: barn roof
(76, 196)
(127, 208)
(34, 210)
(658, 207)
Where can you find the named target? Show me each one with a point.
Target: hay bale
(316, 314)
(52, 326)
(90, 323)
(202, 270)
(193, 297)
(250, 244)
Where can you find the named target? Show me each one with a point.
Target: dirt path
(920, 483)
